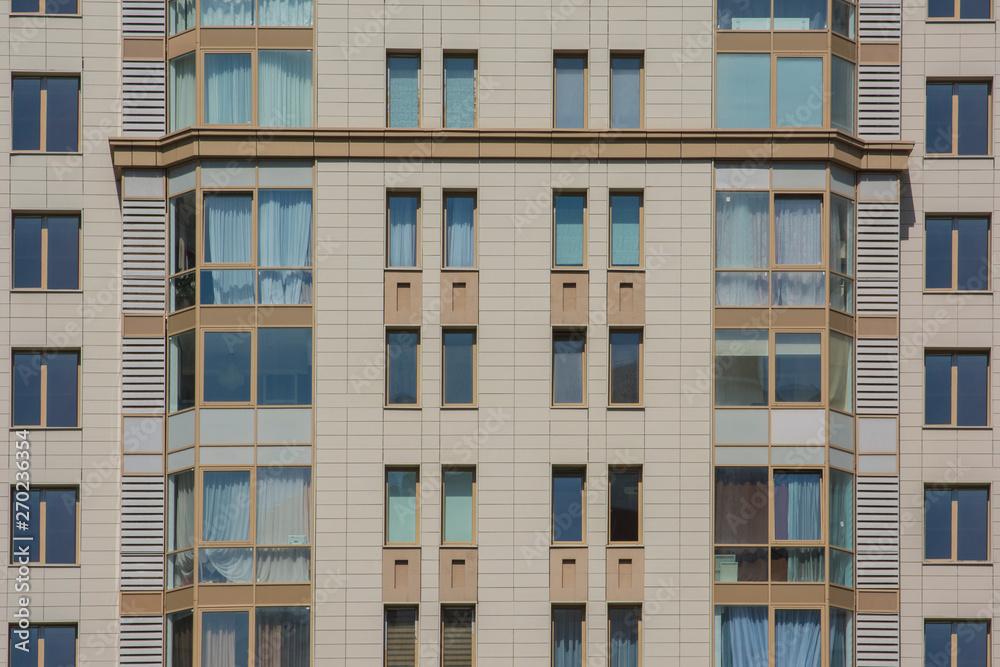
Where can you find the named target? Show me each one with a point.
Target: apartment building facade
(456, 332)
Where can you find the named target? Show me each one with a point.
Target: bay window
(797, 368)
(800, 82)
(227, 87)
(181, 87)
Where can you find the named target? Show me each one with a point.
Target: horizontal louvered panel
(879, 20)
(144, 98)
(878, 258)
(140, 641)
(143, 374)
(143, 256)
(142, 515)
(878, 532)
(879, 97)
(877, 640)
(144, 18)
(142, 572)
(878, 376)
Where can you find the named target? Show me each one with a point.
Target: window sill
(42, 14)
(950, 427)
(22, 152)
(980, 563)
(42, 290)
(569, 407)
(959, 20)
(459, 269)
(931, 292)
(48, 566)
(32, 429)
(948, 156)
(570, 269)
(449, 407)
(618, 407)
(408, 269)
(402, 407)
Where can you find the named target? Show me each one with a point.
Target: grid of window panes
(233, 13)
(785, 15)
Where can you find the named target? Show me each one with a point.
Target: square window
(625, 375)
(282, 637)
(956, 388)
(402, 487)
(956, 643)
(741, 635)
(402, 215)
(570, 91)
(46, 389)
(956, 523)
(626, 90)
(43, 646)
(458, 494)
(568, 505)
(180, 15)
(45, 528)
(459, 366)
(284, 366)
(626, 229)
(460, 231)
(957, 254)
(625, 505)
(401, 636)
(404, 90)
(402, 365)
(458, 638)
(459, 90)
(227, 375)
(958, 118)
(567, 636)
(569, 241)
(56, 99)
(46, 252)
(568, 351)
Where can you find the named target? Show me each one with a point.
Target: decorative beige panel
(459, 575)
(459, 297)
(570, 298)
(568, 574)
(626, 297)
(403, 297)
(626, 574)
(401, 575)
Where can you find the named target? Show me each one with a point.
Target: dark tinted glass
(401, 367)
(975, 9)
(973, 523)
(624, 505)
(458, 367)
(567, 367)
(797, 368)
(62, 122)
(972, 641)
(938, 257)
(284, 366)
(973, 118)
(973, 253)
(60, 530)
(27, 383)
(567, 506)
(27, 112)
(63, 388)
(227, 366)
(937, 643)
(27, 657)
(182, 232)
(973, 389)
(23, 6)
(941, 8)
(938, 118)
(741, 505)
(64, 252)
(181, 367)
(937, 523)
(625, 366)
(27, 252)
(937, 389)
(25, 525)
(60, 7)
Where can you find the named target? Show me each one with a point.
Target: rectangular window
(841, 638)
(458, 493)
(624, 627)
(798, 368)
(568, 377)
(227, 362)
(46, 252)
(225, 633)
(843, 21)
(51, 7)
(459, 90)
(741, 635)
(624, 505)
(742, 242)
(401, 490)
(957, 254)
(284, 366)
(567, 636)
(182, 247)
(180, 639)
(181, 363)
(741, 367)
(842, 253)
(282, 637)
(626, 91)
(800, 89)
(402, 366)
(286, 12)
(794, 630)
(46, 389)
(958, 118)
(459, 366)
(570, 91)
(404, 90)
(842, 88)
(180, 529)
(841, 377)
(46, 114)
(460, 231)
(402, 241)
(228, 228)
(458, 628)
(800, 14)
(400, 637)
(626, 229)
(959, 9)
(625, 375)
(181, 92)
(284, 88)
(798, 506)
(226, 506)
(743, 91)
(956, 388)
(744, 15)
(569, 212)
(227, 13)
(43, 646)
(284, 230)
(569, 493)
(737, 488)
(44, 526)
(957, 523)
(227, 88)
(180, 15)
(956, 643)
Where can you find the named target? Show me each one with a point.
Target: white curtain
(227, 286)
(798, 229)
(806, 564)
(228, 228)
(742, 229)
(285, 565)
(182, 92)
(798, 288)
(283, 505)
(623, 630)
(284, 88)
(741, 636)
(225, 566)
(225, 638)
(227, 88)
(284, 220)
(180, 510)
(798, 506)
(226, 512)
(286, 12)
(797, 638)
(180, 14)
(226, 12)
(460, 213)
(402, 230)
(180, 569)
(567, 638)
(741, 288)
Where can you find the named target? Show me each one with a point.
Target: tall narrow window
(225, 638)
(460, 231)
(282, 637)
(46, 252)
(284, 88)
(957, 254)
(227, 88)
(843, 87)
(623, 636)
(227, 366)
(401, 492)
(284, 517)
(568, 349)
(797, 638)
(741, 636)
(43, 646)
(402, 239)
(180, 529)
(180, 15)
(626, 230)
(570, 91)
(284, 228)
(228, 228)
(956, 643)
(459, 505)
(45, 389)
(181, 93)
(797, 368)
(567, 636)
(742, 244)
(841, 372)
(460, 91)
(56, 99)
(625, 379)
(457, 636)
(841, 637)
(741, 367)
(958, 118)
(182, 246)
(743, 90)
(841, 528)
(569, 238)
(181, 365)
(401, 637)
(180, 639)
(568, 498)
(956, 523)
(404, 90)
(625, 507)
(459, 367)
(626, 91)
(842, 253)
(842, 18)
(956, 388)
(800, 90)
(402, 361)
(45, 525)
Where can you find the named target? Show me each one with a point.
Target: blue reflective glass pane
(459, 363)
(937, 643)
(800, 92)
(973, 523)
(938, 253)
(27, 114)
(63, 388)
(25, 509)
(743, 90)
(27, 389)
(404, 91)
(973, 118)
(227, 287)
(797, 368)
(973, 253)
(23, 6)
(937, 389)
(938, 118)
(401, 367)
(625, 371)
(942, 8)
(974, 9)
(568, 219)
(284, 366)
(62, 122)
(60, 7)
(626, 94)
(973, 389)
(626, 233)
(24, 647)
(570, 108)
(227, 366)
(567, 367)
(973, 639)
(27, 252)
(567, 507)
(458, 502)
(60, 528)
(459, 91)
(937, 523)
(64, 252)
(60, 645)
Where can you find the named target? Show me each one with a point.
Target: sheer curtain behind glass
(797, 638)
(460, 91)
(797, 506)
(404, 91)
(228, 231)
(403, 230)
(282, 637)
(568, 217)
(226, 12)
(283, 517)
(460, 213)
(741, 636)
(284, 88)
(182, 92)
(567, 637)
(798, 231)
(227, 88)
(623, 635)
(286, 12)
(225, 638)
(742, 233)
(284, 222)
(226, 516)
